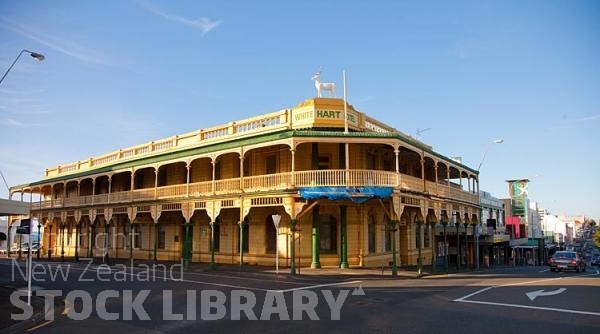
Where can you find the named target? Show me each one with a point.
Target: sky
(460, 74)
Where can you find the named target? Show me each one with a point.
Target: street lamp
(34, 55)
(476, 230)
(276, 219)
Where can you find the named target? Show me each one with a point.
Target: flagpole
(347, 163)
(345, 104)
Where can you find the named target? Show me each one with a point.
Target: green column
(457, 246)
(130, 226)
(476, 244)
(293, 248)
(344, 237)
(155, 241)
(433, 247)
(315, 239)
(105, 242)
(241, 225)
(62, 244)
(76, 243)
(212, 245)
(419, 246)
(444, 224)
(186, 247)
(467, 248)
(392, 227)
(92, 239)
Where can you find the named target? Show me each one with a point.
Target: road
(502, 300)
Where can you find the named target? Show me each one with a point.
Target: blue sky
(121, 73)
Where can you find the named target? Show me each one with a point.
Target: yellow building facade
(346, 189)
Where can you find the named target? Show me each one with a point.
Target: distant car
(567, 260)
(595, 260)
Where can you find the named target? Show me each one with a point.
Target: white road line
(464, 298)
(529, 282)
(473, 294)
(530, 307)
(501, 286)
(316, 286)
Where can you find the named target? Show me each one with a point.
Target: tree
(596, 238)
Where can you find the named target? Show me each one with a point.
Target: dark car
(595, 260)
(567, 260)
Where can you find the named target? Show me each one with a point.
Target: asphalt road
(505, 300)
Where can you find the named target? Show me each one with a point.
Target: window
(271, 236)
(389, 164)
(161, 236)
(246, 166)
(69, 235)
(162, 177)
(271, 164)
(137, 236)
(387, 233)
(217, 234)
(218, 170)
(323, 162)
(371, 233)
(371, 161)
(82, 237)
(139, 181)
(328, 234)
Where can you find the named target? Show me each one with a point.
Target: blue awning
(354, 194)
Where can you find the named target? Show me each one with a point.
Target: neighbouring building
(494, 241)
(308, 182)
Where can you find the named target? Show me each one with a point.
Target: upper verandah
(315, 113)
(312, 113)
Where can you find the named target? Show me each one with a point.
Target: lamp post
(39, 240)
(276, 219)
(49, 242)
(293, 247)
(476, 230)
(34, 55)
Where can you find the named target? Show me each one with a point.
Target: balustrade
(270, 182)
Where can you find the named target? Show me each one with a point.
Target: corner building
(342, 198)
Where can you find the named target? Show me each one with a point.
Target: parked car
(567, 260)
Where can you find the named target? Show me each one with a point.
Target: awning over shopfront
(10, 207)
(354, 194)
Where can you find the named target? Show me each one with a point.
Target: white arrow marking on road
(533, 294)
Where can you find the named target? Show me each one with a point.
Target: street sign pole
(29, 266)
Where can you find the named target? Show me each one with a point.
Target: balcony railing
(412, 183)
(178, 190)
(270, 182)
(200, 188)
(345, 178)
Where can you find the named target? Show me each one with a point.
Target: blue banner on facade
(354, 194)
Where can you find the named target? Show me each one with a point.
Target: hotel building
(344, 191)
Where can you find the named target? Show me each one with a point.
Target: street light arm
(483, 157)
(34, 55)
(497, 141)
(11, 65)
